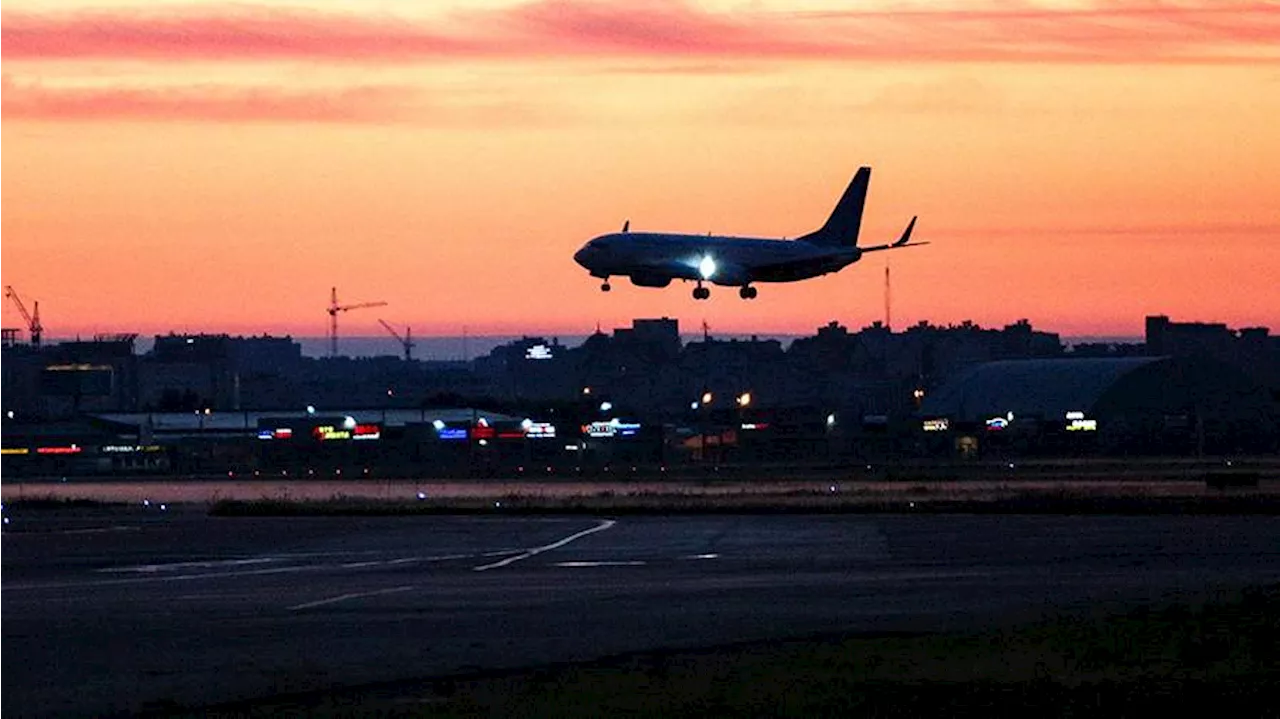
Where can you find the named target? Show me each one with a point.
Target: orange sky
(207, 167)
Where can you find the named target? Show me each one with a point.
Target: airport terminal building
(1128, 405)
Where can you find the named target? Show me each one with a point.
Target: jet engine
(648, 280)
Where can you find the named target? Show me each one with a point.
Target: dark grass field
(1206, 654)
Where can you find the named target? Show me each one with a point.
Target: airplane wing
(904, 241)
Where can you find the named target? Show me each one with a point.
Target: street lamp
(706, 398)
(744, 399)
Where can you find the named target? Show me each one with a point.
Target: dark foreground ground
(121, 610)
(1195, 655)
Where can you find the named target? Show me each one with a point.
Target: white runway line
(93, 530)
(345, 597)
(603, 563)
(152, 579)
(603, 525)
(176, 566)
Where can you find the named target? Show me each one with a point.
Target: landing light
(707, 267)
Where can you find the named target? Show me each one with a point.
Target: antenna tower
(888, 316)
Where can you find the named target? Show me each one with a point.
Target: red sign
(73, 449)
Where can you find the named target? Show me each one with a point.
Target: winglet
(904, 241)
(906, 234)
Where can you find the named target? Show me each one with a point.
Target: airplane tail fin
(841, 228)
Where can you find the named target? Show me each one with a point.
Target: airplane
(653, 259)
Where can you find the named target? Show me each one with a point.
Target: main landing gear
(605, 286)
(746, 292)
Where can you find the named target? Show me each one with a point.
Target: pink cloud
(382, 104)
(1109, 31)
(23, 100)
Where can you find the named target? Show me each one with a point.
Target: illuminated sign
(327, 433)
(483, 431)
(1082, 425)
(613, 428)
(451, 433)
(277, 433)
(538, 352)
(598, 429)
(366, 431)
(517, 434)
(995, 424)
(73, 449)
(755, 425)
(15, 450)
(541, 430)
(129, 448)
(1075, 415)
(936, 425)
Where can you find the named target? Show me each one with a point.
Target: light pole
(704, 412)
(743, 401)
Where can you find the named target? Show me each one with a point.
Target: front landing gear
(747, 292)
(605, 286)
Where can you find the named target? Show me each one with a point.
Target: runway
(123, 610)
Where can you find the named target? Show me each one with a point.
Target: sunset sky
(197, 166)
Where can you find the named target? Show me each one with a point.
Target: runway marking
(603, 525)
(162, 578)
(603, 563)
(97, 530)
(345, 597)
(208, 564)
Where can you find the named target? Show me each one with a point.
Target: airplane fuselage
(650, 257)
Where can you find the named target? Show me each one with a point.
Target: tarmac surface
(121, 610)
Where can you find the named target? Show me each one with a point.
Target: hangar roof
(1044, 387)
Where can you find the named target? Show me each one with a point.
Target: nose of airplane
(581, 255)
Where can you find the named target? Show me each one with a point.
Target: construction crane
(33, 318)
(406, 341)
(333, 309)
